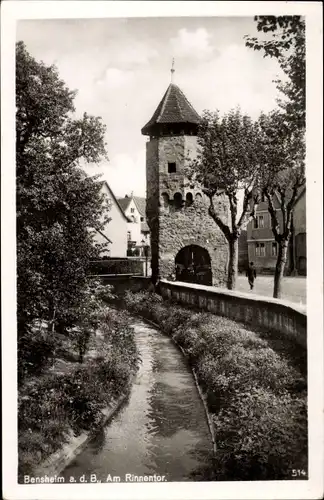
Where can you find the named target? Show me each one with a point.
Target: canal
(161, 429)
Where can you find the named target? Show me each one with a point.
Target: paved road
(294, 288)
(161, 430)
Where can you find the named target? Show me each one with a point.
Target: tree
(282, 157)
(226, 164)
(59, 208)
(282, 175)
(287, 44)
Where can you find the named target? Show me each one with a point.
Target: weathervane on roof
(172, 70)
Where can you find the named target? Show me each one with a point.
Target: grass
(68, 398)
(256, 395)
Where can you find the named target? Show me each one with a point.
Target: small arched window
(165, 200)
(177, 201)
(198, 198)
(189, 199)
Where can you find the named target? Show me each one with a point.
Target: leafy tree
(59, 208)
(282, 175)
(282, 158)
(287, 44)
(226, 164)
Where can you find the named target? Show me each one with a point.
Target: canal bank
(161, 429)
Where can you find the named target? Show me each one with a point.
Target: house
(138, 233)
(116, 229)
(262, 247)
(299, 233)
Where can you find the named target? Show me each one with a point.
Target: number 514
(298, 473)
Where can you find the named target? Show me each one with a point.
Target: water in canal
(161, 429)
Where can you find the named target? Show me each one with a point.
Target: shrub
(261, 435)
(54, 404)
(117, 266)
(257, 397)
(35, 351)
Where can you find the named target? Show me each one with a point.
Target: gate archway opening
(193, 265)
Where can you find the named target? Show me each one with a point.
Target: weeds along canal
(161, 429)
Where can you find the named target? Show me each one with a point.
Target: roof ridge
(177, 99)
(104, 182)
(187, 100)
(174, 107)
(164, 101)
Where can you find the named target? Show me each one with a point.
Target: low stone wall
(274, 314)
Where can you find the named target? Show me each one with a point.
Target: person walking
(251, 275)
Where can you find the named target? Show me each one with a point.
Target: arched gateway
(193, 265)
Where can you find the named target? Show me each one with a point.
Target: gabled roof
(114, 198)
(173, 108)
(144, 227)
(139, 202)
(124, 202)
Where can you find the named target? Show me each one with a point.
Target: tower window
(172, 168)
(177, 201)
(189, 199)
(165, 200)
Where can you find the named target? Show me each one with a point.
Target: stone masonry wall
(192, 226)
(152, 200)
(276, 315)
(173, 229)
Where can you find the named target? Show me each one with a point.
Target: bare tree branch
(218, 220)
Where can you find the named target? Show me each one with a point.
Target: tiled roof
(144, 227)
(124, 202)
(141, 204)
(173, 108)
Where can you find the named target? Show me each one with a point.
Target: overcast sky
(121, 69)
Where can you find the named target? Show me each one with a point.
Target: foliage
(282, 132)
(226, 163)
(54, 404)
(117, 266)
(58, 207)
(287, 44)
(256, 397)
(35, 352)
(270, 440)
(281, 153)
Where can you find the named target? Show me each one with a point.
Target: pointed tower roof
(174, 108)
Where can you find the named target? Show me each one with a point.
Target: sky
(121, 69)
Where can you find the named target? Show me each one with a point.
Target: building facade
(262, 247)
(185, 241)
(138, 233)
(300, 255)
(115, 231)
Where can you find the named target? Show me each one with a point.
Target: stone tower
(184, 238)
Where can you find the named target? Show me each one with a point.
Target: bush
(256, 396)
(55, 404)
(117, 266)
(35, 352)
(261, 435)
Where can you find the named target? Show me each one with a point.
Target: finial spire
(172, 70)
